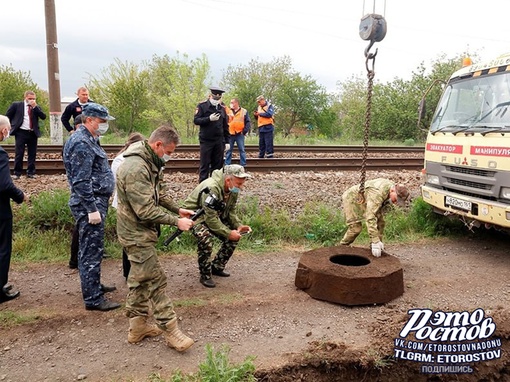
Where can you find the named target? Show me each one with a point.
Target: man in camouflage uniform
(378, 193)
(144, 204)
(91, 181)
(225, 184)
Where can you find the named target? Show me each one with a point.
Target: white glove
(94, 217)
(377, 248)
(227, 146)
(214, 117)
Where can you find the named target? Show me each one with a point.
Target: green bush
(42, 229)
(47, 210)
(423, 219)
(215, 368)
(409, 142)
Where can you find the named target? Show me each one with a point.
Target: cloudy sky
(321, 36)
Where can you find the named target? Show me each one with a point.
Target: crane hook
(372, 28)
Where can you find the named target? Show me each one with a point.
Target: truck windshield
(475, 103)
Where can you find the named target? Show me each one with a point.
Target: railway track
(389, 158)
(112, 149)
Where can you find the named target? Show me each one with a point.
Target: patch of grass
(189, 302)
(47, 210)
(229, 298)
(215, 368)
(9, 318)
(42, 229)
(419, 221)
(33, 245)
(379, 360)
(322, 224)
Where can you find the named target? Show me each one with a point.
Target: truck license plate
(458, 203)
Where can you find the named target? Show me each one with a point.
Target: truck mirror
(422, 108)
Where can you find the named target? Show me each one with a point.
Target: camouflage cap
(236, 170)
(92, 109)
(402, 194)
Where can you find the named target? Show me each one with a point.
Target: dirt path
(257, 311)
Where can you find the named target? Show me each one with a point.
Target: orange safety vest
(236, 121)
(262, 121)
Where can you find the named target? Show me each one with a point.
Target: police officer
(92, 183)
(212, 118)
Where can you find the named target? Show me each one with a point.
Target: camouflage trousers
(354, 217)
(205, 248)
(147, 284)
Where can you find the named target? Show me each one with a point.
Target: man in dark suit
(74, 109)
(24, 117)
(8, 191)
(212, 118)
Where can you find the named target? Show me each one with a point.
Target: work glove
(214, 117)
(377, 248)
(94, 217)
(227, 146)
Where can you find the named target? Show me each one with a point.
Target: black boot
(207, 282)
(6, 294)
(220, 272)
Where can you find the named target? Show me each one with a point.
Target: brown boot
(175, 338)
(139, 329)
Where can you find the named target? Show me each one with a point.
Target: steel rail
(186, 165)
(112, 149)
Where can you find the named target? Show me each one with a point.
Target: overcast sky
(321, 36)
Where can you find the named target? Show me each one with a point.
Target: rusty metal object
(350, 276)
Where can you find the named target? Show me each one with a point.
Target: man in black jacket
(74, 109)
(212, 118)
(8, 191)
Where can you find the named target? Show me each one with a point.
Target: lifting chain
(368, 117)
(372, 28)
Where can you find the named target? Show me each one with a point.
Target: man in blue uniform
(92, 183)
(212, 118)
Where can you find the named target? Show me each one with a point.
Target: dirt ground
(257, 311)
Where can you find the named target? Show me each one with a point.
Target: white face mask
(102, 128)
(214, 102)
(166, 157)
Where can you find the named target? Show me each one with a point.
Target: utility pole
(53, 72)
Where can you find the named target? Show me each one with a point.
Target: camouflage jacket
(377, 192)
(141, 195)
(219, 222)
(87, 168)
